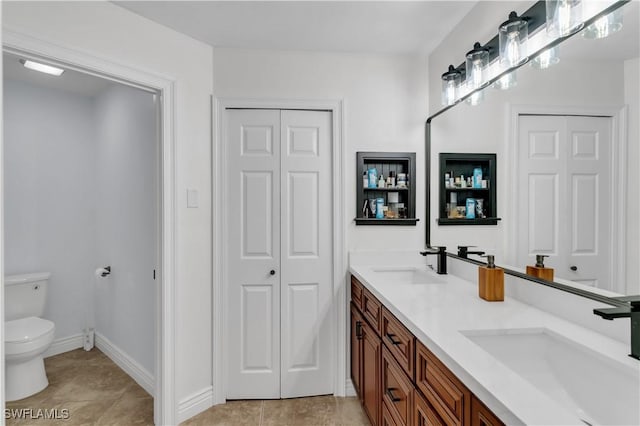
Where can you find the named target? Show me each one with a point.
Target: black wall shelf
(384, 163)
(457, 164)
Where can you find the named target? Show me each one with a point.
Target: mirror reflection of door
(565, 195)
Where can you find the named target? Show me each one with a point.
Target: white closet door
(306, 254)
(565, 195)
(279, 326)
(253, 293)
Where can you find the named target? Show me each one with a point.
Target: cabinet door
(481, 415)
(356, 349)
(397, 389)
(370, 379)
(387, 418)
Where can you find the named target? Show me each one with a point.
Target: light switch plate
(192, 198)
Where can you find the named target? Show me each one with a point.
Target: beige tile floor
(97, 392)
(92, 388)
(314, 411)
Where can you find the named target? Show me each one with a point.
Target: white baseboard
(128, 364)
(350, 390)
(64, 344)
(195, 404)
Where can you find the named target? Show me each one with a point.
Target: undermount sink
(408, 275)
(600, 390)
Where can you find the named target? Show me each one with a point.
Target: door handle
(272, 272)
(359, 330)
(574, 268)
(392, 396)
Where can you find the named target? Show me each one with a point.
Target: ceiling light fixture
(37, 66)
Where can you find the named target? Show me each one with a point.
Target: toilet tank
(25, 295)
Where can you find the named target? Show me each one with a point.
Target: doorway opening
(98, 193)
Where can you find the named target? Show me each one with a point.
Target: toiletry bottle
(379, 210)
(373, 177)
(491, 281)
(539, 270)
(365, 179)
(381, 181)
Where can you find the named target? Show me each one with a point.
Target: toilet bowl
(25, 341)
(26, 336)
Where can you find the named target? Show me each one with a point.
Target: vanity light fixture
(513, 34)
(450, 83)
(604, 26)
(37, 66)
(564, 17)
(547, 58)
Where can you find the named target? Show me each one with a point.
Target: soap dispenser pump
(491, 281)
(539, 270)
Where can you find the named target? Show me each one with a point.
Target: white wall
(125, 227)
(632, 100)
(486, 128)
(111, 33)
(49, 144)
(385, 110)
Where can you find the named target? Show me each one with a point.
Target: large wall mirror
(568, 162)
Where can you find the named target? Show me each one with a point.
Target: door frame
(618, 184)
(220, 235)
(165, 404)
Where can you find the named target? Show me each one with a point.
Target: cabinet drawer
(425, 414)
(397, 389)
(400, 341)
(356, 292)
(482, 416)
(371, 310)
(436, 382)
(387, 418)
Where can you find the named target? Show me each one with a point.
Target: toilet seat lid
(24, 330)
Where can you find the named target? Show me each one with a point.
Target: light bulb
(512, 50)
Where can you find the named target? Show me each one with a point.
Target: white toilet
(26, 336)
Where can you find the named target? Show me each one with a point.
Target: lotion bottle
(491, 281)
(539, 270)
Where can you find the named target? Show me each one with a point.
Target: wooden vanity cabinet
(399, 381)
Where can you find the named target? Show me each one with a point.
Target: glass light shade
(564, 17)
(476, 66)
(507, 81)
(476, 98)
(450, 83)
(546, 58)
(513, 35)
(604, 26)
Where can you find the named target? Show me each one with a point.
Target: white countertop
(437, 313)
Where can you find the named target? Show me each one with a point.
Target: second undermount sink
(600, 390)
(408, 275)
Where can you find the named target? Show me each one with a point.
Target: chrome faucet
(442, 258)
(633, 312)
(463, 251)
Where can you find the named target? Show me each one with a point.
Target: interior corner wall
(632, 100)
(109, 32)
(385, 106)
(126, 164)
(47, 131)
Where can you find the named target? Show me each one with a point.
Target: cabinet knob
(574, 268)
(272, 272)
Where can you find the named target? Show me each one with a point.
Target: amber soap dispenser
(539, 270)
(491, 281)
